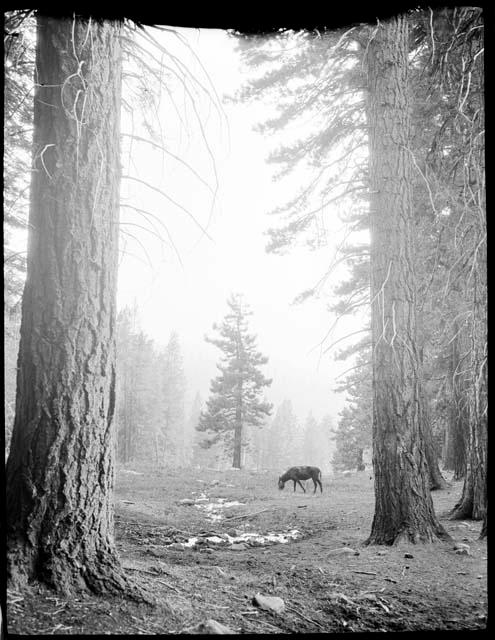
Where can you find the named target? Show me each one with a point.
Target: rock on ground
(269, 603)
(343, 551)
(210, 627)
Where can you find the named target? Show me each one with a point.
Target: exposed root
(463, 510)
(67, 576)
(410, 536)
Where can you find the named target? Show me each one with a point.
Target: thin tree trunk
(437, 481)
(60, 471)
(458, 428)
(403, 504)
(359, 460)
(236, 463)
(484, 528)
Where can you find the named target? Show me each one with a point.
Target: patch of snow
(190, 543)
(249, 536)
(215, 539)
(268, 537)
(213, 509)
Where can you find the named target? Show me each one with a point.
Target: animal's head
(281, 483)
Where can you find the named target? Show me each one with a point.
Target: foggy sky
(190, 297)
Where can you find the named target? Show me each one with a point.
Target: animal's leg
(301, 486)
(294, 486)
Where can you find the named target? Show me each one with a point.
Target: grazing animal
(296, 474)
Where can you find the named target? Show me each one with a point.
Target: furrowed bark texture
(403, 507)
(437, 481)
(61, 464)
(474, 499)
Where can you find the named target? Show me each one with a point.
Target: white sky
(191, 297)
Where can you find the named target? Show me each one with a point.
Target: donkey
(296, 474)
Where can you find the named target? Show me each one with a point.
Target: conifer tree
(236, 394)
(281, 437)
(353, 434)
(19, 54)
(60, 470)
(171, 400)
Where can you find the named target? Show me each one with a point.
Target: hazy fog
(191, 296)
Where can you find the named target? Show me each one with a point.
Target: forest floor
(328, 580)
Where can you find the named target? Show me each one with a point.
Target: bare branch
(165, 195)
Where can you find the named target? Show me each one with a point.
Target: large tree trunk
(474, 499)
(403, 504)
(473, 502)
(60, 470)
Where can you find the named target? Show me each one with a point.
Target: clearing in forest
(204, 543)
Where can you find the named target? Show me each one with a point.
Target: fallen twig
(366, 573)
(384, 606)
(170, 586)
(152, 573)
(249, 613)
(60, 626)
(203, 533)
(268, 624)
(243, 600)
(345, 598)
(303, 616)
(186, 533)
(247, 515)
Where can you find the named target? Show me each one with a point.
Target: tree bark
(484, 528)
(403, 504)
(60, 470)
(458, 427)
(474, 499)
(473, 502)
(437, 481)
(237, 459)
(236, 462)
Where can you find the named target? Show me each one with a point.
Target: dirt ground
(327, 579)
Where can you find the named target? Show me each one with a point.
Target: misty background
(184, 287)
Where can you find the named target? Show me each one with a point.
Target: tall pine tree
(172, 392)
(60, 468)
(236, 394)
